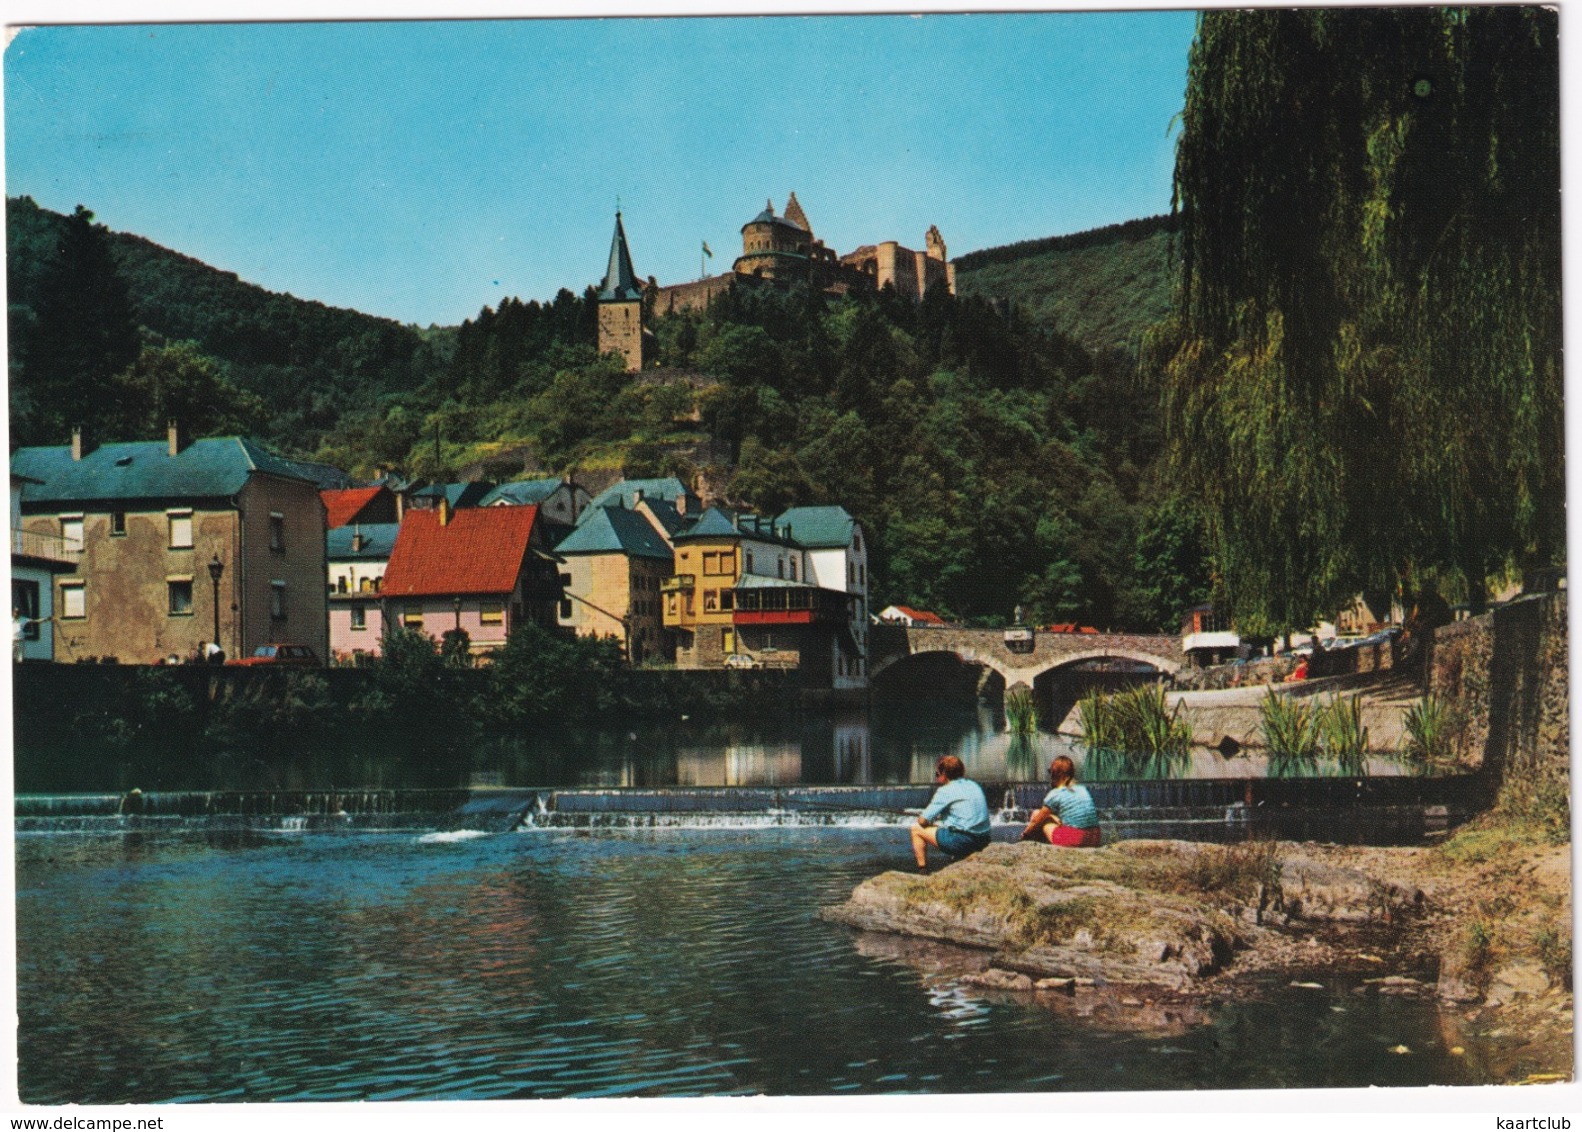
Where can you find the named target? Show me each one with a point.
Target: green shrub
(1137, 721)
(1433, 730)
(1021, 713)
(1290, 727)
(1341, 731)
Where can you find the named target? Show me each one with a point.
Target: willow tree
(1361, 378)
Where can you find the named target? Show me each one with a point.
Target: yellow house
(615, 564)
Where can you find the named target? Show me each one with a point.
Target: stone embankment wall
(1507, 675)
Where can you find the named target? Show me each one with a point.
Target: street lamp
(216, 569)
(457, 602)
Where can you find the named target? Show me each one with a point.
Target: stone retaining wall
(1507, 673)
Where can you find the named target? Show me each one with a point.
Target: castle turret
(621, 305)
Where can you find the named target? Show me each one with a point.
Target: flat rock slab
(1158, 913)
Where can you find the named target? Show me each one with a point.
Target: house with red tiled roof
(359, 505)
(484, 570)
(911, 618)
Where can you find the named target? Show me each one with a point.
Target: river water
(205, 966)
(209, 960)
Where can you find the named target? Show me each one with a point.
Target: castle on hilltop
(776, 251)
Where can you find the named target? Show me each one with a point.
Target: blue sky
(422, 170)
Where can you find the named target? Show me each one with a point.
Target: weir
(1384, 810)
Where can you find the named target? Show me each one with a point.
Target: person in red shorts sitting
(1068, 816)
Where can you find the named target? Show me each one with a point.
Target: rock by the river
(1160, 913)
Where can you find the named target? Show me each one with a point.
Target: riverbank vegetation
(417, 716)
(1135, 721)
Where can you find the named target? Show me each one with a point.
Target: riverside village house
(176, 538)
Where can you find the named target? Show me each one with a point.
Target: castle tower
(621, 305)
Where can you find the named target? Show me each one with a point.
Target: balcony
(50, 548)
(788, 605)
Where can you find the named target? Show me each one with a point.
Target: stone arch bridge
(892, 644)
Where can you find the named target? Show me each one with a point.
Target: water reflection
(894, 742)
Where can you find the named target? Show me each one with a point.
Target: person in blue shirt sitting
(1068, 815)
(956, 821)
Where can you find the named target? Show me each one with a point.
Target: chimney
(77, 445)
(176, 440)
(358, 541)
(444, 511)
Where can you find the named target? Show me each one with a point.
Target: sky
(422, 170)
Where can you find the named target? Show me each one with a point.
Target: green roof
(615, 530)
(522, 492)
(625, 493)
(713, 523)
(818, 527)
(378, 540)
(205, 469)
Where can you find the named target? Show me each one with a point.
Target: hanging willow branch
(1361, 382)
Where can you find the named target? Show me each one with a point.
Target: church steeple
(621, 305)
(620, 281)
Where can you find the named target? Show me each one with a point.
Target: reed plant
(1290, 727)
(1021, 712)
(1432, 729)
(1138, 721)
(1341, 731)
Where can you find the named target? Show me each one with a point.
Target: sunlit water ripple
(385, 966)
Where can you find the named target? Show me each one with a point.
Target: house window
(117, 524)
(856, 541)
(359, 616)
(711, 601)
(179, 591)
(180, 529)
(851, 573)
(780, 567)
(727, 600)
(491, 613)
(277, 600)
(277, 531)
(412, 617)
(340, 584)
(747, 556)
(71, 531)
(565, 609)
(793, 569)
(862, 575)
(73, 601)
(565, 581)
(24, 599)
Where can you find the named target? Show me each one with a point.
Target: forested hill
(307, 363)
(1102, 288)
(993, 461)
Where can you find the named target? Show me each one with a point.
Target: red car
(288, 656)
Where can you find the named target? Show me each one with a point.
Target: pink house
(484, 570)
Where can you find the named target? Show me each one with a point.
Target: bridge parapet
(893, 643)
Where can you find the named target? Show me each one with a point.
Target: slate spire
(620, 281)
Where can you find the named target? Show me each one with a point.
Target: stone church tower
(621, 305)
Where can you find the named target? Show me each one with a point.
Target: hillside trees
(1361, 381)
(72, 338)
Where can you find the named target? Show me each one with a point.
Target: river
(205, 960)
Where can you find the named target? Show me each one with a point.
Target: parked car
(288, 656)
(741, 660)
